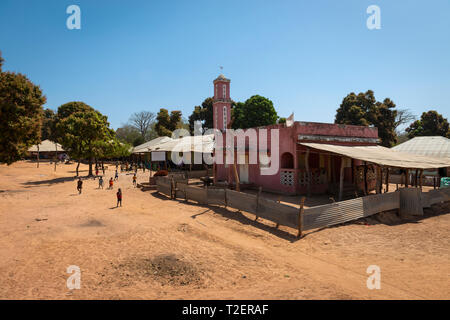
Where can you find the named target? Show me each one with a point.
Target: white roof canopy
(383, 156)
(46, 146)
(203, 143)
(145, 146)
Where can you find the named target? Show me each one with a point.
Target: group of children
(111, 185)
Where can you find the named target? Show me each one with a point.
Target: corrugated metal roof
(435, 146)
(46, 146)
(383, 156)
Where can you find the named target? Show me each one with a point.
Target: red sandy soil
(156, 248)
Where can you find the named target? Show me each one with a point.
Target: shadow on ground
(53, 181)
(236, 215)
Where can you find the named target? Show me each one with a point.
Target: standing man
(79, 185)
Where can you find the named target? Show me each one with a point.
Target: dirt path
(155, 248)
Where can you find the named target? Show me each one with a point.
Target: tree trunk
(90, 166)
(78, 165)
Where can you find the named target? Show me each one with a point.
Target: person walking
(100, 182)
(79, 185)
(119, 197)
(111, 183)
(134, 180)
(116, 176)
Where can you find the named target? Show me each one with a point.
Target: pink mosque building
(297, 163)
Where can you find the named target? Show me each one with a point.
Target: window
(215, 90)
(216, 114)
(224, 87)
(225, 113)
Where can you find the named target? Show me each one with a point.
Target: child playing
(134, 180)
(119, 197)
(111, 183)
(100, 182)
(116, 176)
(79, 185)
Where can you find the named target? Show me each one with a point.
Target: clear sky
(303, 55)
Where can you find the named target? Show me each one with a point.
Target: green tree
(431, 123)
(129, 134)
(1, 61)
(48, 125)
(203, 113)
(256, 111)
(363, 110)
(81, 132)
(20, 115)
(166, 124)
(72, 107)
(111, 148)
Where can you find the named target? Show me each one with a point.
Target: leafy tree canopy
(203, 113)
(256, 111)
(1, 61)
(431, 123)
(48, 125)
(20, 115)
(166, 124)
(82, 132)
(363, 109)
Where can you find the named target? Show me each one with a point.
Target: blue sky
(303, 55)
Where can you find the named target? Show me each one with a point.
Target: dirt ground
(155, 248)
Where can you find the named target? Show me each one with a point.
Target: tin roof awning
(382, 156)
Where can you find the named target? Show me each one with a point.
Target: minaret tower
(222, 103)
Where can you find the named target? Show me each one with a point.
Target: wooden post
(56, 154)
(38, 156)
(308, 173)
(300, 217)
(406, 177)
(416, 178)
(387, 180)
(225, 196)
(341, 179)
(379, 184)
(421, 179)
(257, 201)
(236, 176)
(172, 189)
(365, 179)
(278, 201)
